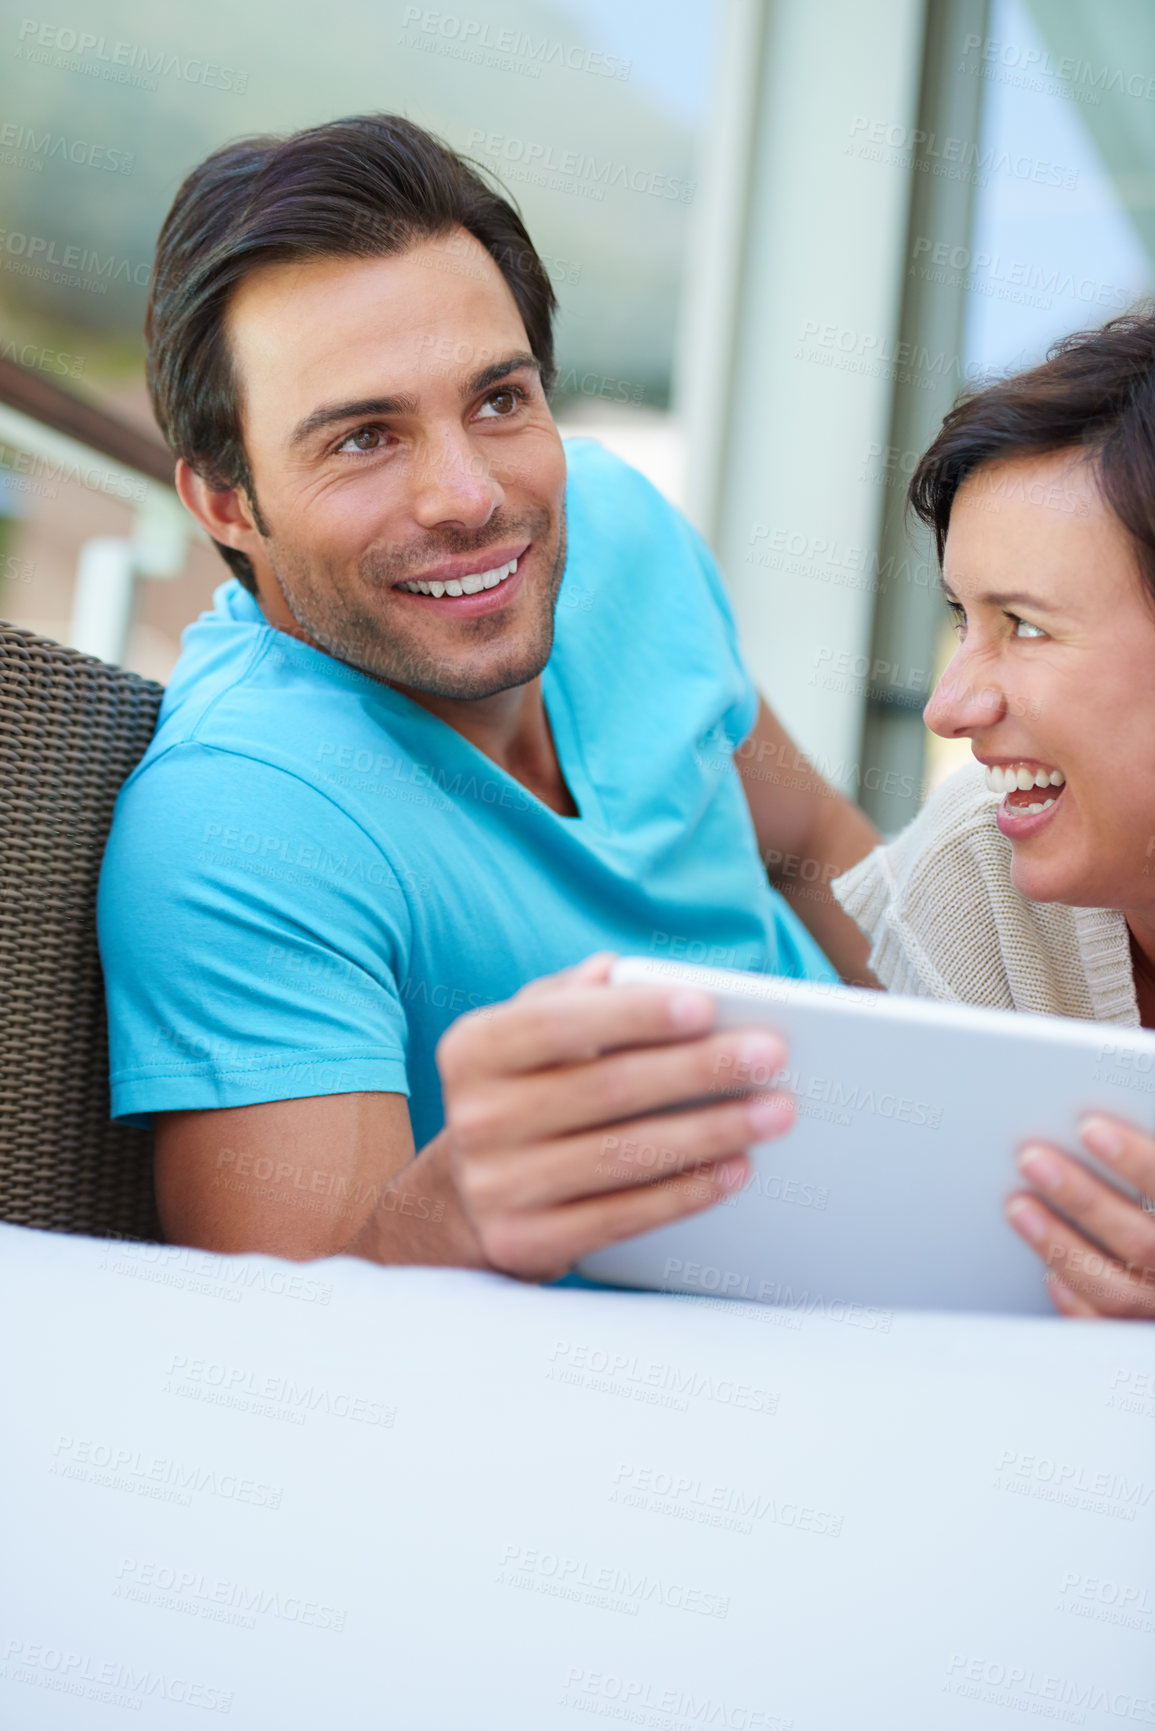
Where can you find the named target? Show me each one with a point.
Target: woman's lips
(1018, 823)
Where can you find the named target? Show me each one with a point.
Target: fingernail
(733, 1173)
(1061, 1293)
(768, 1114)
(692, 1010)
(1101, 1137)
(1027, 1219)
(762, 1052)
(1041, 1166)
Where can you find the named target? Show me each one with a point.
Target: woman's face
(1054, 678)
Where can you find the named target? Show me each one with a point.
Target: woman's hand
(1107, 1268)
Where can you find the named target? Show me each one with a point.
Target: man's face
(403, 455)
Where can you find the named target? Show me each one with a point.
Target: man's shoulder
(628, 543)
(245, 692)
(604, 490)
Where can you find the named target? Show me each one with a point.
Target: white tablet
(888, 1192)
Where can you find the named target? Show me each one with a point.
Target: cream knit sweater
(945, 921)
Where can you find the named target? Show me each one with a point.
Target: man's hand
(1108, 1267)
(562, 1125)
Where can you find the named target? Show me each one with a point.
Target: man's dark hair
(366, 187)
(1095, 392)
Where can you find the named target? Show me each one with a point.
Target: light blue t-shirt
(309, 876)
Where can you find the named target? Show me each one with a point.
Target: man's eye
(502, 403)
(1024, 629)
(958, 616)
(364, 439)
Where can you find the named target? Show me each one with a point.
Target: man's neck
(511, 727)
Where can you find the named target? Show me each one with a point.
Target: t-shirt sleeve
(253, 939)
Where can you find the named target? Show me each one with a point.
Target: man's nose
(966, 700)
(452, 484)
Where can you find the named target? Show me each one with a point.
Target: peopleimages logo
(574, 170)
(217, 1599)
(37, 253)
(532, 1568)
(1089, 80)
(1036, 1692)
(119, 62)
(156, 1476)
(34, 148)
(114, 1682)
(477, 39)
(638, 1701)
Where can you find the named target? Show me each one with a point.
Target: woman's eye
(958, 617)
(1024, 629)
(364, 439)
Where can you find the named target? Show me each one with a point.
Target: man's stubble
(338, 620)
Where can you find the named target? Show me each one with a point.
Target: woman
(1028, 881)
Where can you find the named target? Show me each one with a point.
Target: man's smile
(466, 574)
(459, 588)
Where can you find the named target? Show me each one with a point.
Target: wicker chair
(71, 730)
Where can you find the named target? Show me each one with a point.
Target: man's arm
(302, 1178)
(563, 1134)
(808, 833)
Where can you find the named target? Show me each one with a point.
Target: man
(384, 792)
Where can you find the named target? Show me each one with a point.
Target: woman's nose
(963, 705)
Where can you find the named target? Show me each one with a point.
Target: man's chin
(471, 684)
(416, 673)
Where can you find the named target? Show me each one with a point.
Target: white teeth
(470, 585)
(1011, 778)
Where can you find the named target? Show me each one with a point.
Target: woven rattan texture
(71, 729)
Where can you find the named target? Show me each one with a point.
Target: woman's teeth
(1020, 778)
(471, 585)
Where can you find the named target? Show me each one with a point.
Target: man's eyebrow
(498, 371)
(331, 414)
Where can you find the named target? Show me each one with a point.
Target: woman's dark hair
(1095, 392)
(366, 187)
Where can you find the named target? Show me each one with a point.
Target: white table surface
(337, 1496)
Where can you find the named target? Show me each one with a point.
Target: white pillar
(102, 600)
(807, 389)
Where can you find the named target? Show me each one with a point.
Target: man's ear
(225, 513)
